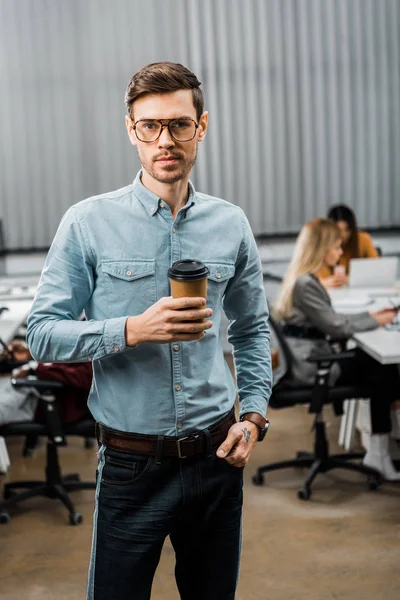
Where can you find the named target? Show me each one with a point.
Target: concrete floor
(343, 544)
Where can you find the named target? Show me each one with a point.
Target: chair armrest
(272, 277)
(37, 384)
(330, 356)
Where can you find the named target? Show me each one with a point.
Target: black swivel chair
(319, 461)
(56, 485)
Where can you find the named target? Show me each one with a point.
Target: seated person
(22, 405)
(355, 244)
(306, 314)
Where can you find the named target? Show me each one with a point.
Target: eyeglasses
(182, 129)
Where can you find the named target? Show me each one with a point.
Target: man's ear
(130, 130)
(203, 124)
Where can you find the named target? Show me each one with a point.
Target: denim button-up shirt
(110, 258)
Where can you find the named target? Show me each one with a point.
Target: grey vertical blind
(303, 95)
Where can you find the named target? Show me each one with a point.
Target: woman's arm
(310, 298)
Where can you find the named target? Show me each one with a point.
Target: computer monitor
(373, 272)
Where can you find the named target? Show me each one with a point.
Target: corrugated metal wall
(304, 101)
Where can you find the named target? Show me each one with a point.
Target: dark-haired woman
(355, 244)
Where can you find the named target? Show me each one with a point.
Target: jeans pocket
(125, 471)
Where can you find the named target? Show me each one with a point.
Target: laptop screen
(373, 272)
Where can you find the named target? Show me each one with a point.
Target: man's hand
(239, 443)
(169, 320)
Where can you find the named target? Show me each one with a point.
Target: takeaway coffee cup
(188, 278)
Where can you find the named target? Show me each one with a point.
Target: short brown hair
(161, 78)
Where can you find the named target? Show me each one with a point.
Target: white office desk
(12, 319)
(16, 292)
(381, 344)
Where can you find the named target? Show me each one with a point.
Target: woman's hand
(384, 316)
(19, 350)
(334, 281)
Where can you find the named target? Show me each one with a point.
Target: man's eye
(180, 124)
(149, 126)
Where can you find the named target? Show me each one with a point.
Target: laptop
(373, 272)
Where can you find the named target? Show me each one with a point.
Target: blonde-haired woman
(305, 311)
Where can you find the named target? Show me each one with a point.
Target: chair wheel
(75, 518)
(304, 493)
(258, 479)
(374, 483)
(4, 518)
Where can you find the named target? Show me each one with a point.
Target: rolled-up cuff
(256, 404)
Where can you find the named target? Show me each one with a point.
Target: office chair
(56, 485)
(319, 461)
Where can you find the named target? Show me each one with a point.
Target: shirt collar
(151, 202)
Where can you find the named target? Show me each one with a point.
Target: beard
(168, 173)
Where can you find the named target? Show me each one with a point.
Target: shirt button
(89, 358)
(116, 348)
(152, 209)
(178, 388)
(173, 230)
(162, 205)
(218, 275)
(128, 272)
(180, 425)
(176, 348)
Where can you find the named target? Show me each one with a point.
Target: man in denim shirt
(171, 456)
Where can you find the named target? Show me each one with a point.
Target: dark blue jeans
(196, 501)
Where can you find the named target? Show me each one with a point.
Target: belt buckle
(193, 437)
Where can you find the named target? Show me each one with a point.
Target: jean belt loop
(207, 435)
(159, 449)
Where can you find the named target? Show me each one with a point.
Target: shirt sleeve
(367, 249)
(76, 375)
(245, 306)
(65, 286)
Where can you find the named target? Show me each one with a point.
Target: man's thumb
(227, 445)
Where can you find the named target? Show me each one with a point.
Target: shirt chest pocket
(220, 274)
(130, 285)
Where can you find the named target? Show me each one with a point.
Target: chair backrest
(286, 357)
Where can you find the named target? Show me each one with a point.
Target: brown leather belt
(184, 447)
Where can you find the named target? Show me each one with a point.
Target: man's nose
(165, 139)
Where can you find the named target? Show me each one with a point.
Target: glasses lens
(148, 131)
(182, 130)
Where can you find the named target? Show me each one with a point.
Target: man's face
(166, 160)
